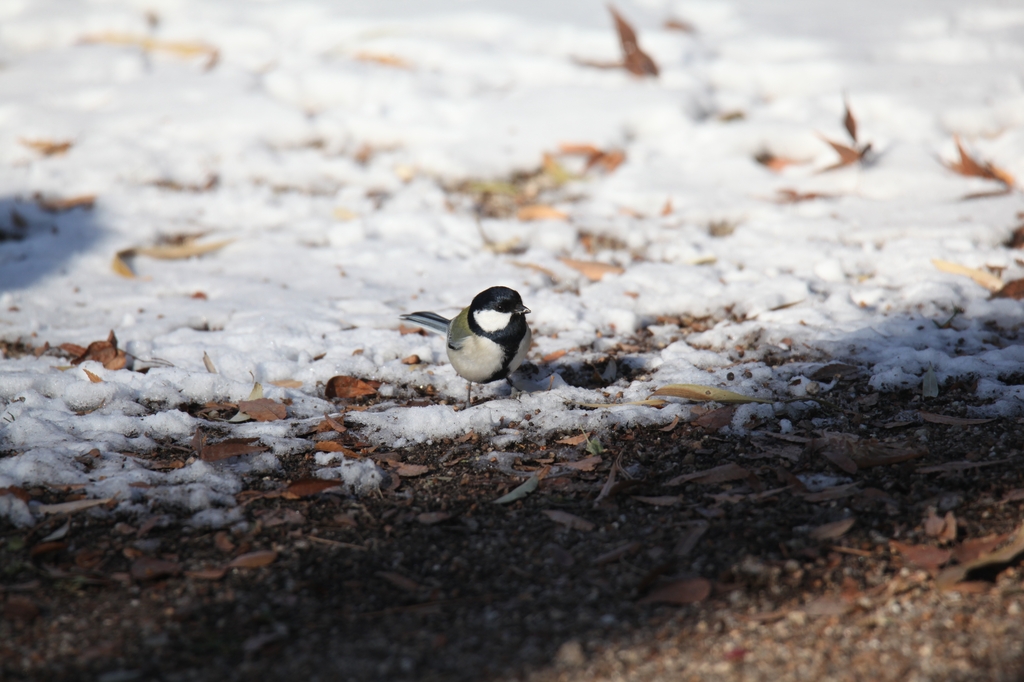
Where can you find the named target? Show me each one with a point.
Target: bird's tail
(431, 321)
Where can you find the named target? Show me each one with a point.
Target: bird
(488, 340)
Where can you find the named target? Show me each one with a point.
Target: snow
(328, 248)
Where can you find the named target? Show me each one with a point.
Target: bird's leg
(469, 394)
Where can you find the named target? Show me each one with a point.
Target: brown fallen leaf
(592, 270)
(47, 147)
(672, 426)
(51, 547)
(430, 518)
(263, 557)
(955, 467)
(720, 474)
(55, 205)
(287, 383)
(585, 464)
(1006, 554)
(334, 446)
(686, 591)
(968, 166)
(263, 409)
(551, 357)
(923, 556)
(148, 568)
(330, 424)
(847, 155)
(952, 421)
(231, 447)
(411, 360)
(1014, 290)
(574, 440)
(20, 608)
(836, 370)
(831, 531)
(349, 387)
(569, 520)
(834, 493)
(775, 163)
(307, 487)
(679, 25)
(92, 377)
(540, 212)
(717, 419)
(792, 196)
(411, 470)
(635, 60)
(617, 553)
(104, 352)
(970, 549)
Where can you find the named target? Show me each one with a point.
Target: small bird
(486, 341)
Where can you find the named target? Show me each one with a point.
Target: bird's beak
(522, 309)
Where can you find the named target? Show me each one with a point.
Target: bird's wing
(458, 330)
(428, 320)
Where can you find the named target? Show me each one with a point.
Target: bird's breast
(478, 359)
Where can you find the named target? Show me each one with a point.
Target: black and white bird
(488, 340)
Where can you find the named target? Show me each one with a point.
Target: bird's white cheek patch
(491, 320)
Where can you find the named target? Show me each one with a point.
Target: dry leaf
(985, 279)
(147, 568)
(540, 212)
(287, 383)
(635, 60)
(955, 574)
(968, 166)
(92, 377)
(831, 531)
(430, 518)
(923, 556)
(263, 557)
(792, 196)
(707, 393)
(521, 491)
(55, 205)
(585, 464)
(679, 25)
(574, 440)
(104, 352)
(775, 163)
(383, 59)
(207, 573)
(714, 420)
(554, 355)
(306, 487)
(834, 493)
(208, 363)
(969, 550)
(849, 122)
(232, 447)
(183, 49)
(330, 424)
(70, 507)
(1014, 290)
(617, 553)
(672, 426)
(186, 248)
(952, 421)
(719, 474)
(592, 270)
(569, 520)
(411, 470)
(688, 591)
(349, 387)
(411, 360)
(120, 263)
(263, 409)
(47, 147)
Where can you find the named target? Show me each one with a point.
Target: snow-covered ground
(324, 139)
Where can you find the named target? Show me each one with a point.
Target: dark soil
(430, 580)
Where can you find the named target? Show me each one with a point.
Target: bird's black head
(499, 299)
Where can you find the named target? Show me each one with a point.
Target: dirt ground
(609, 570)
